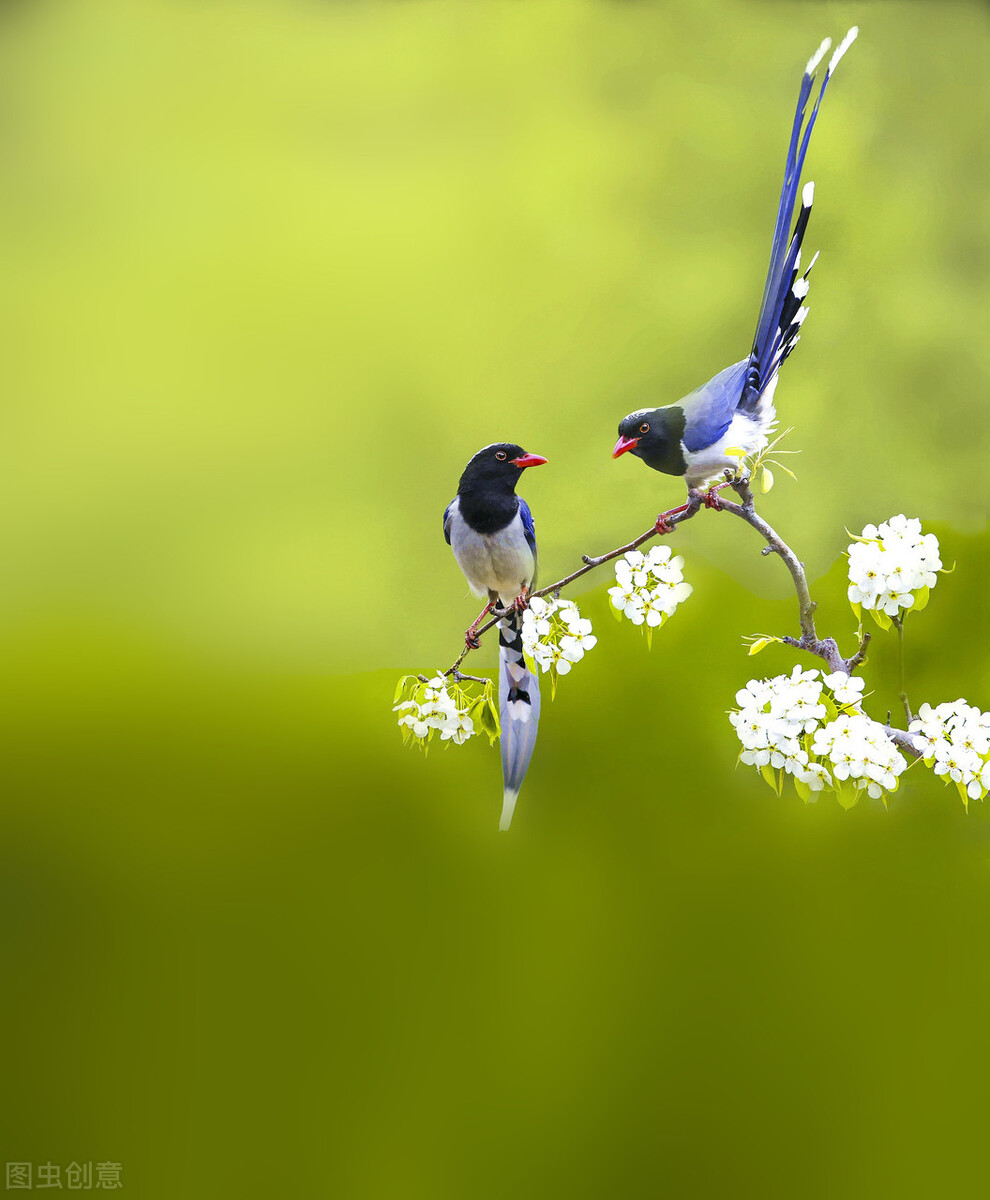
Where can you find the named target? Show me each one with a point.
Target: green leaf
(921, 598)
(766, 480)
(802, 790)
(857, 611)
(847, 795)
(880, 617)
(769, 775)
(400, 687)
(963, 795)
(780, 465)
(492, 725)
(761, 643)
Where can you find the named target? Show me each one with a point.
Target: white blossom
(846, 689)
(891, 562)
(555, 635)
(649, 587)
(782, 723)
(954, 739)
(860, 751)
(436, 709)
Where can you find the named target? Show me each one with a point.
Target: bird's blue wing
(529, 527)
(708, 410)
(446, 522)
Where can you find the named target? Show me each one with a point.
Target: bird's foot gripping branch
(809, 726)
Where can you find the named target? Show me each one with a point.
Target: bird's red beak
(624, 444)
(528, 460)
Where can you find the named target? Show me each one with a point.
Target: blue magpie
(734, 410)
(490, 530)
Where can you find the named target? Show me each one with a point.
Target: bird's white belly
(501, 562)
(746, 432)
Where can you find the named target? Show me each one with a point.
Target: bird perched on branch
(734, 410)
(490, 530)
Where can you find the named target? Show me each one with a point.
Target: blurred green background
(272, 273)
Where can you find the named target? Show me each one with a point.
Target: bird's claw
(471, 640)
(663, 525)
(712, 499)
(521, 602)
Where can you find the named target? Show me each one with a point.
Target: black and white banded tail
(519, 711)
(782, 311)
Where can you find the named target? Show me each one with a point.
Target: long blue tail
(781, 312)
(519, 712)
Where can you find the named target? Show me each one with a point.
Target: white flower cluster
(555, 635)
(891, 562)
(436, 709)
(954, 739)
(649, 587)
(858, 749)
(808, 725)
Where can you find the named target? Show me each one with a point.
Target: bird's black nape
(496, 469)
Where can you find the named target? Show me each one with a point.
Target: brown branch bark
(827, 648)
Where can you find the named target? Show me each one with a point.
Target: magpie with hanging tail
(490, 530)
(735, 410)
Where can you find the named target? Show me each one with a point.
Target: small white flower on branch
(892, 567)
(446, 707)
(555, 635)
(648, 587)
(846, 689)
(860, 751)
(954, 740)
(807, 725)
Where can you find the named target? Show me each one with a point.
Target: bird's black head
(654, 435)
(497, 468)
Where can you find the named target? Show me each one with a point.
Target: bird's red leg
(712, 498)
(470, 640)
(663, 524)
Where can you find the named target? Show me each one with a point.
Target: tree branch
(826, 648)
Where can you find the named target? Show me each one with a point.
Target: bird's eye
(500, 455)
(645, 427)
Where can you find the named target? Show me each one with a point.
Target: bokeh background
(272, 272)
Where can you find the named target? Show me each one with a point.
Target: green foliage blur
(272, 272)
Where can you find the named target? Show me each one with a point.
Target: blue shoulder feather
(529, 527)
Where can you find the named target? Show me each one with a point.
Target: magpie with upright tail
(734, 410)
(490, 530)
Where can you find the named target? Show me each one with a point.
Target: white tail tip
(808, 194)
(817, 57)
(844, 45)
(509, 797)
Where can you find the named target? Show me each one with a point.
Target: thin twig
(827, 648)
(898, 623)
